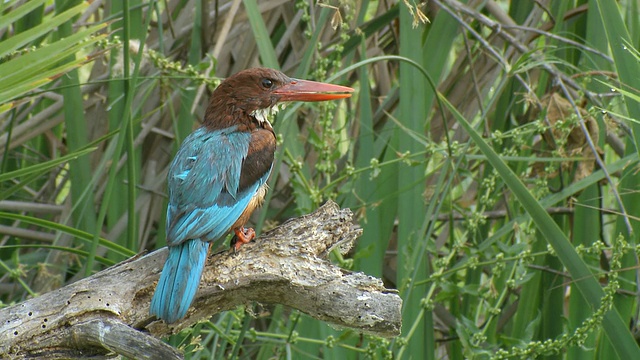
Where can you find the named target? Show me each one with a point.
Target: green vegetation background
(503, 206)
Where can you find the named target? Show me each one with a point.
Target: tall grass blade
(80, 169)
(261, 35)
(22, 39)
(627, 68)
(615, 329)
(12, 16)
(413, 112)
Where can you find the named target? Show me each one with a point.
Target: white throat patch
(266, 115)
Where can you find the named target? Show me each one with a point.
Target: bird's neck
(224, 117)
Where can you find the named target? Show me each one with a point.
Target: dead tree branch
(107, 314)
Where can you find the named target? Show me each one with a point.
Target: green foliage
(490, 156)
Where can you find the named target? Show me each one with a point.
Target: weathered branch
(108, 313)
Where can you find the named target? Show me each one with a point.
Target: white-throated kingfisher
(219, 176)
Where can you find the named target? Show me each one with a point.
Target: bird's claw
(243, 236)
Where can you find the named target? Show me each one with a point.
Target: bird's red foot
(243, 236)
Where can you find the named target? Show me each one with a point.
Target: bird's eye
(267, 83)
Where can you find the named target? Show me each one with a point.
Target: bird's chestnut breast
(259, 158)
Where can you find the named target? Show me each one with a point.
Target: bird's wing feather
(204, 195)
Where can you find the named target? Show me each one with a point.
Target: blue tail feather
(179, 280)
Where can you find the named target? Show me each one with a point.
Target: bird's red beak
(304, 90)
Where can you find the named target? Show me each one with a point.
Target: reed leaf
(623, 342)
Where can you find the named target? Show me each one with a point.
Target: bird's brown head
(250, 95)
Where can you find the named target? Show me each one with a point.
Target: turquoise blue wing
(204, 200)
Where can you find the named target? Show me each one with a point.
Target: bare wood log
(107, 314)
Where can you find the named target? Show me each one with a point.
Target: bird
(219, 175)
